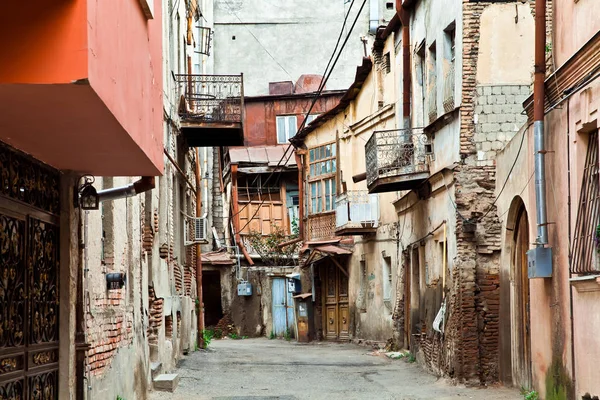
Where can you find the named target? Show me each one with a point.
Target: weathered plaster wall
(575, 23)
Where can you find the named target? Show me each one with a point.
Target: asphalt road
(263, 369)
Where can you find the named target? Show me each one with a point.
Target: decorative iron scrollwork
(8, 365)
(44, 386)
(28, 180)
(12, 281)
(396, 152)
(44, 357)
(12, 391)
(43, 282)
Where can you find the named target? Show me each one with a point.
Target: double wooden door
(336, 315)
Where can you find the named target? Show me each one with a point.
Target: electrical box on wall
(539, 262)
(245, 289)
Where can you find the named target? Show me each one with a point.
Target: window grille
(586, 240)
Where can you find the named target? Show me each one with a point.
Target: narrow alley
(263, 369)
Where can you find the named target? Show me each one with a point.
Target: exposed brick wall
(156, 316)
(107, 332)
(469, 348)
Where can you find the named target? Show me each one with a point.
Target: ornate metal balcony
(211, 109)
(397, 160)
(356, 213)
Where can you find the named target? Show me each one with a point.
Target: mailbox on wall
(293, 283)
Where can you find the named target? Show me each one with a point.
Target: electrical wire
(317, 95)
(507, 177)
(319, 89)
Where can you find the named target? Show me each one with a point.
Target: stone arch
(515, 342)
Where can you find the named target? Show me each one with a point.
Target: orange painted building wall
(43, 41)
(125, 68)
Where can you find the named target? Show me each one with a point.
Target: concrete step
(166, 382)
(155, 368)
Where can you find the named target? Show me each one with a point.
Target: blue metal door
(283, 308)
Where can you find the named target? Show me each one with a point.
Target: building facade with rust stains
(471, 68)
(548, 336)
(260, 193)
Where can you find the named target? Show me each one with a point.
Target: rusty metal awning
(320, 252)
(262, 155)
(216, 258)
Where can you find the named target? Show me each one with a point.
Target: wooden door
(522, 368)
(335, 298)
(283, 308)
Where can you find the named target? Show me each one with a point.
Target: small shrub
(529, 394)
(233, 336)
(207, 336)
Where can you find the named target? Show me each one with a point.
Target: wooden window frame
(288, 135)
(322, 181)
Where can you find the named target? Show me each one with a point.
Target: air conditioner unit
(196, 231)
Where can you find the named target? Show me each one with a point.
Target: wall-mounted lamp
(86, 195)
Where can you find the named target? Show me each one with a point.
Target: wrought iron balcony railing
(449, 89)
(356, 212)
(432, 102)
(211, 98)
(397, 159)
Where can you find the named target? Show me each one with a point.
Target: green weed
(529, 394)
(272, 335)
(287, 335)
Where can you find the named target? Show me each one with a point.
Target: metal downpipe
(538, 124)
(540, 183)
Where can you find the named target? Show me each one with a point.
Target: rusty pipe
(140, 186)
(359, 177)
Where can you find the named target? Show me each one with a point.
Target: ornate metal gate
(29, 266)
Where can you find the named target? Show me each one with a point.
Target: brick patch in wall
(156, 316)
(178, 276)
(106, 334)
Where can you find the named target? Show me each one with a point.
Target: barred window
(587, 226)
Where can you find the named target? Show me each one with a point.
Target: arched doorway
(517, 329)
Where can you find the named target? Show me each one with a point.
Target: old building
(350, 252)
(70, 107)
(547, 333)
(261, 197)
(471, 66)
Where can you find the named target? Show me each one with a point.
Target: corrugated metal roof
(262, 155)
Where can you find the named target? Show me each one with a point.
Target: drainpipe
(200, 299)
(142, 185)
(404, 16)
(373, 17)
(538, 122)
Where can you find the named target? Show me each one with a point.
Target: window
(361, 302)
(449, 71)
(387, 278)
(585, 256)
(387, 66)
(431, 83)
(310, 118)
(322, 184)
(286, 128)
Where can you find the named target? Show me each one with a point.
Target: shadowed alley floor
(262, 369)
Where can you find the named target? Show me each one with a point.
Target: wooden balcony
(211, 109)
(321, 226)
(356, 213)
(397, 160)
